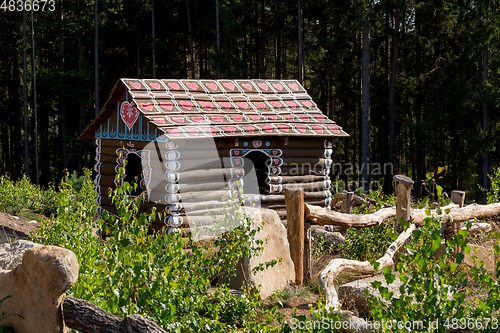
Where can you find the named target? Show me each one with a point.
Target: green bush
(163, 277)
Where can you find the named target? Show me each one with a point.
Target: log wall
(188, 180)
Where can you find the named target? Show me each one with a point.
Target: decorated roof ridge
(194, 108)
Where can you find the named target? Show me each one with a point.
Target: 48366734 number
(28, 5)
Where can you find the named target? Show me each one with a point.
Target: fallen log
(327, 277)
(323, 216)
(86, 317)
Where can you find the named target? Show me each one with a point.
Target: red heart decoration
(267, 128)
(275, 187)
(272, 117)
(275, 170)
(278, 86)
(301, 128)
(334, 129)
(135, 85)
(155, 85)
(247, 86)
(294, 86)
(263, 86)
(236, 152)
(193, 130)
(308, 104)
(197, 119)
(207, 105)
(257, 143)
(249, 128)
(276, 161)
(242, 104)
(187, 105)
(275, 152)
(167, 105)
(211, 130)
(256, 118)
(218, 119)
(289, 117)
(318, 129)
(147, 106)
(320, 117)
(260, 105)
(284, 128)
(225, 104)
(159, 120)
(174, 86)
(229, 86)
(129, 114)
(174, 131)
(237, 172)
(212, 86)
(276, 104)
(290, 103)
(237, 118)
(178, 119)
(237, 161)
(192, 86)
(231, 129)
(303, 117)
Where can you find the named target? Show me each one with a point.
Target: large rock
(275, 246)
(37, 288)
(330, 238)
(483, 253)
(352, 298)
(11, 255)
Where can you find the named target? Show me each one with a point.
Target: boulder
(275, 246)
(36, 289)
(333, 238)
(11, 255)
(483, 253)
(352, 298)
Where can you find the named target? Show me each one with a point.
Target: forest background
(415, 83)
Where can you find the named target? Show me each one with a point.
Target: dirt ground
(14, 227)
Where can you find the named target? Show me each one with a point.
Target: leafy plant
(435, 291)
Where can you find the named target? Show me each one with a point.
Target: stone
(333, 238)
(11, 255)
(37, 288)
(352, 298)
(483, 253)
(275, 246)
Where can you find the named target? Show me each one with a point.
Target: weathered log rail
(87, 317)
(452, 217)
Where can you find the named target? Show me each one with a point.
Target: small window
(133, 173)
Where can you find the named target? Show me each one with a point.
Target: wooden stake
(294, 199)
(403, 185)
(451, 229)
(347, 203)
(307, 252)
(458, 197)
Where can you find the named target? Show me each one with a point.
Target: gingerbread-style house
(170, 130)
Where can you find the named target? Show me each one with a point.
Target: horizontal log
(303, 152)
(480, 227)
(130, 144)
(302, 179)
(301, 171)
(106, 168)
(480, 212)
(336, 266)
(107, 180)
(323, 216)
(282, 205)
(108, 158)
(204, 174)
(85, 317)
(312, 187)
(300, 161)
(109, 150)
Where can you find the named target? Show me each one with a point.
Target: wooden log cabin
(170, 130)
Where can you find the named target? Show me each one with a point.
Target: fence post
(403, 185)
(457, 197)
(347, 203)
(307, 252)
(294, 201)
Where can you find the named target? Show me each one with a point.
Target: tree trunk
(62, 98)
(217, 54)
(25, 91)
(365, 111)
(190, 42)
(96, 58)
(392, 106)
(154, 36)
(34, 100)
(301, 42)
(484, 129)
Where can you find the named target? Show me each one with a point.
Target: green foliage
(367, 243)
(437, 292)
(163, 277)
(494, 193)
